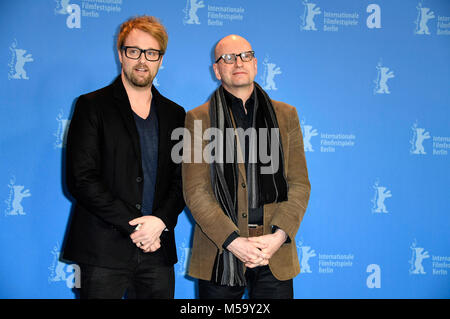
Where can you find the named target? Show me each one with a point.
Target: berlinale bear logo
(423, 16)
(17, 63)
(16, 195)
(190, 11)
(419, 136)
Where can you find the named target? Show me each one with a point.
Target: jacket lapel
(163, 137)
(283, 129)
(123, 104)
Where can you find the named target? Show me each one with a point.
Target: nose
(239, 62)
(142, 58)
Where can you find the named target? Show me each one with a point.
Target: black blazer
(104, 175)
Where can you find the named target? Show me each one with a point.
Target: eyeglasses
(230, 58)
(135, 53)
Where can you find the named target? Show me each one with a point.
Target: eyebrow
(135, 46)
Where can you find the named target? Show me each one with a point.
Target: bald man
(245, 182)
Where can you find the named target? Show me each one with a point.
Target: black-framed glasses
(230, 58)
(135, 53)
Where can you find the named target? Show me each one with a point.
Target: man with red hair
(126, 188)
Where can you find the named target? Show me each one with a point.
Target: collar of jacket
(164, 119)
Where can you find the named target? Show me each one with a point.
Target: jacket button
(138, 179)
(244, 215)
(243, 185)
(138, 206)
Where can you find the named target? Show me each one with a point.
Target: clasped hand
(147, 235)
(256, 251)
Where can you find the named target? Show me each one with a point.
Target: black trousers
(147, 277)
(261, 284)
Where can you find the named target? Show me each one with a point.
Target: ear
(119, 53)
(256, 65)
(216, 71)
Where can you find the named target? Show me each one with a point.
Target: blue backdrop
(370, 80)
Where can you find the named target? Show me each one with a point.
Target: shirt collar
(234, 102)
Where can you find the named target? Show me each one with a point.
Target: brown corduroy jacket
(212, 225)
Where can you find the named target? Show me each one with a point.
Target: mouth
(141, 69)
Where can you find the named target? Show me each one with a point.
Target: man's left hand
(147, 237)
(273, 242)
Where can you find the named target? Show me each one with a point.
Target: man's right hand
(248, 252)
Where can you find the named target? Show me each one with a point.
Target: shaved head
(231, 44)
(236, 77)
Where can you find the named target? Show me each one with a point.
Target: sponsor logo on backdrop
(61, 6)
(305, 252)
(190, 11)
(374, 19)
(423, 16)
(183, 258)
(443, 25)
(214, 15)
(61, 132)
(336, 21)
(383, 75)
(418, 254)
(85, 8)
(59, 271)
(18, 58)
(378, 200)
(16, 195)
(308, 133)
(311, 10)
(330, 263)
(374, 279)
(441, 144)
(329, 142)
(327, 263)
(426, 19)
(269, 73)
(420, 262)
(419, 135)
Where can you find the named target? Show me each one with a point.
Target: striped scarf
(264, 188)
